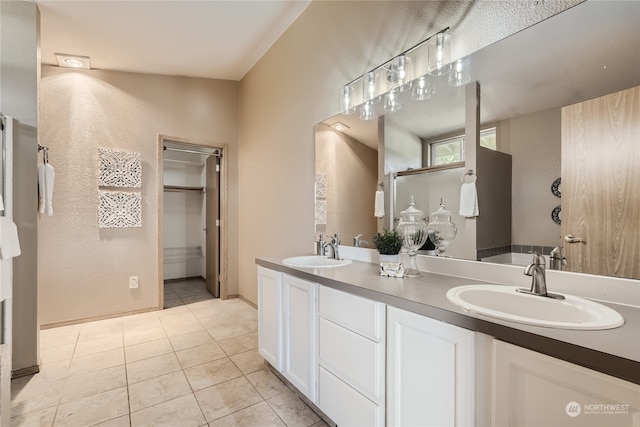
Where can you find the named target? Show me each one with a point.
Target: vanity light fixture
(73, 61)
(388, 80)
(460, 74)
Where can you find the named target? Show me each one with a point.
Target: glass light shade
(400, 73)
(391, 102)
(441, 230)
(439, 55)
(460, 73)
(371, 87)
(347, 104)
(367, 111)
(414, 232)
(423, 87)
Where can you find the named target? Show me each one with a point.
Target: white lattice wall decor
(120, 169)
(118, 209)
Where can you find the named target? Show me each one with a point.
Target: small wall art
(119, 209)
(120, 169)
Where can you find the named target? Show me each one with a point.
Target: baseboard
(247, 301)
(24, 372)
(185, 278)
(95, 318)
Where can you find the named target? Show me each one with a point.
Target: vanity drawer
(354, 359)
(358, 314)
(344, 405)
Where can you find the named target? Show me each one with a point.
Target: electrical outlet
(133, 282)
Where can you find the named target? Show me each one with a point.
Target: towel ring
(470, 173)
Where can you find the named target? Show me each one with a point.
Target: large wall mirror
(584, 53)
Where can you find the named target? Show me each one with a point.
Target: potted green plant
(388, 243)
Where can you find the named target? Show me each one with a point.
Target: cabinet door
(270, 316)
(300, 334)
(430, 372)
(532, 389)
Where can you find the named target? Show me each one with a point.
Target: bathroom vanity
(375, 351)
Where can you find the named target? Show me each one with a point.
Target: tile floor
(193, 364)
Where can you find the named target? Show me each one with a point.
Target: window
(447, 151)
(488, 138)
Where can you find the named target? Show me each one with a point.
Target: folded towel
(1, 203)
(9, 244)
(378, 210)
(469, 200)
(46, 175)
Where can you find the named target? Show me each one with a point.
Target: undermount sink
(312, 261)
(503, 302)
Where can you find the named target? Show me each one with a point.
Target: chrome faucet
(357, 241)
(334, 246)
(556, 260)
(537, 270)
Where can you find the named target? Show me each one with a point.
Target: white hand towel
(1, 203)
(469, 200)
(9, 244)
(46, 176)
(378, 210)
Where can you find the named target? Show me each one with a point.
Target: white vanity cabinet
(287, 328)
(300, 336)
(430, 372)
(533, 389)
(270, 316)
(351, 389)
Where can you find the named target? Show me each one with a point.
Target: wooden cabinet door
(601, 184)
(430, 372)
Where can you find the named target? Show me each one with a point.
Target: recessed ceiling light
(340, 127)
(73, 61)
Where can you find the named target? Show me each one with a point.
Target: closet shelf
(182, 188)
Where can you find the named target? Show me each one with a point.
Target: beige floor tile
(146, 350)
(226, 398)
(211, 373)
(56, 337)
(93, 409)
(267, 384)
(182, 327)
(320, 423)
(34, 393)
(157, 390)
(221, 332)
(249, 361)
(138, 336)
(97, 361)
(173, 311)
(116, 422)
(140, 322)
(198, 355)
(239, 344)
(86, 347)
(152, 367)
(191, 339)
(56, 354)
(40, 418)
(293, 411)
(54, 371)
(258, 415)
(100, 329)
(94, 382)
(183, 411)
(168, 318)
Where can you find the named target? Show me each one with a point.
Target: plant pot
(389, 258)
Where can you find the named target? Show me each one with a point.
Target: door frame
(224, 212)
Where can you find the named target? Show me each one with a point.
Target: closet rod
(182, 150)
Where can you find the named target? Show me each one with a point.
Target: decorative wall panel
(117, 209)
(120, 169)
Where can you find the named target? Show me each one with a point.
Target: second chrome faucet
(537, 271)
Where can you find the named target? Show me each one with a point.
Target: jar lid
(442, 214)
(412, 214)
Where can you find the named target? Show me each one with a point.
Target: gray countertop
(614, 352)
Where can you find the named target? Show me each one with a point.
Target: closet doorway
(193, 200)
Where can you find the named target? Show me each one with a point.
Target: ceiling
(206, 38)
